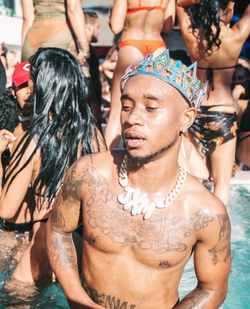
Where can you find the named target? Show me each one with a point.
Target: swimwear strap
(216, 68)
(146, 8)
(19, 227)
(210, 76)
(42, 220)
(242, 139)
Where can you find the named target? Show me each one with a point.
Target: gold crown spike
(179, 76)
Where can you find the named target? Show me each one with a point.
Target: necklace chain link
(139, 203)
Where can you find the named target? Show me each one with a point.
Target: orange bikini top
(148, 8)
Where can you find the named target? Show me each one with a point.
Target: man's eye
(126, 107)
(151, 109)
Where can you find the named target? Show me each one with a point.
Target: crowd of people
(117, 225)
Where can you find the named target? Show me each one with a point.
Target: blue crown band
(183, 79)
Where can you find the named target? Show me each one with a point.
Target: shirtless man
(136, 245)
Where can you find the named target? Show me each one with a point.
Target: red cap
(21, 74)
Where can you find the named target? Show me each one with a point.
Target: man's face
(96, 31)
(23, 96)
(150, 115)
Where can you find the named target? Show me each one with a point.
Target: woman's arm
(243, 25)
(118, 15)
(187, 3)
(28, 17)
(183, 15)
(169, 17)
(6, 138)
(77, 22)
(13, 194)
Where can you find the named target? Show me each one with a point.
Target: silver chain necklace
(139, 203)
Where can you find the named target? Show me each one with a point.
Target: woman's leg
(127, 55)
(222, 160)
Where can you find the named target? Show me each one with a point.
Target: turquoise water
(49, 295)
(238, 296)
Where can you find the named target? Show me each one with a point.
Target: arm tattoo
(221, 251)
(107, 301)
(196, 299)
(62, 251)
(58, 219)
(71, 187)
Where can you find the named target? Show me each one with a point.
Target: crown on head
(179, 76)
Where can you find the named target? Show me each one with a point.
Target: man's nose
(135, 117)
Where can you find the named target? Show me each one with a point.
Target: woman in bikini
(216, 47)
(16, 109)
(142, 21)
(64, 129)
(54, 23)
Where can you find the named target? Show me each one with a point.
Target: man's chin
(137, 159)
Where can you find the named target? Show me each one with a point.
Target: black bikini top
(210, 76)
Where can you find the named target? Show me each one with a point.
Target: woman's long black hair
(62, 118)
(207, 14)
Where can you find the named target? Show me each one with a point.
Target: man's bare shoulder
(101, 161)
(199, 197)
(105, 164)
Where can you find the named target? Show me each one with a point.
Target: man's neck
(160, 173)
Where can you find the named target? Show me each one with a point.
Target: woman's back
(217, 64)
(144, 18)
(53, 9)
(141, 18)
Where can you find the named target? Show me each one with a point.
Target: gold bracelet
(83, 41)
(84, 54)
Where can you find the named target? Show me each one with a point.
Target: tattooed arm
(212, 262)
(64, 219)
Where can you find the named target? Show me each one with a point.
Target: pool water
(238, 296)
(50, 295)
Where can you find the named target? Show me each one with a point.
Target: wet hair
(9, 111)
(207, 14)
(63, 121)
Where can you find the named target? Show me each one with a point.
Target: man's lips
(134, 139)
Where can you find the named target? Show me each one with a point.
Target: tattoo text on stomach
(108, 301)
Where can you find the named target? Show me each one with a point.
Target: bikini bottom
(242, 165)
(19, 227)
(144, 46)
(213, 128)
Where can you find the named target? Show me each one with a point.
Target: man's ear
(89, 27)
(13, 91)
(189, 115)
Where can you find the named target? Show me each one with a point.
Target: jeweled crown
(178, 75)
